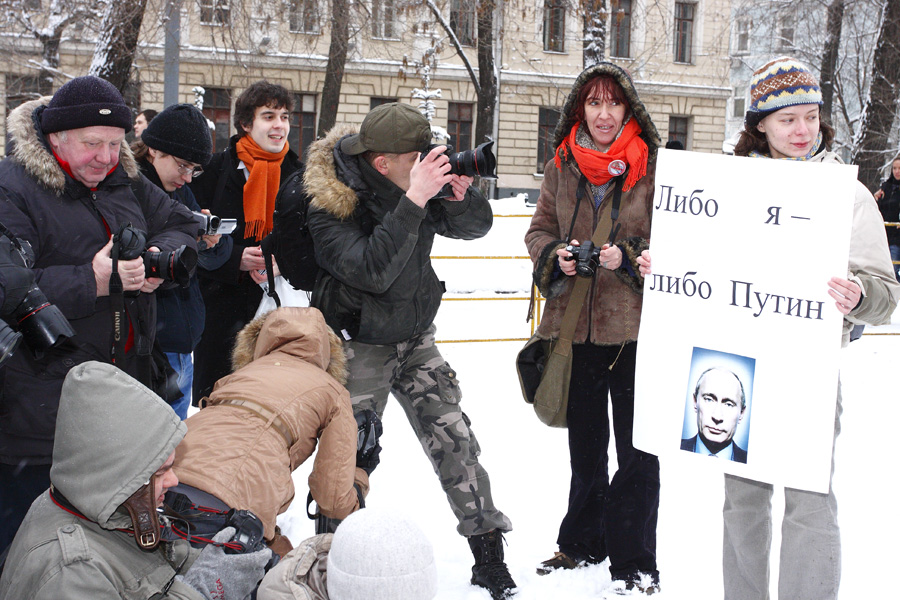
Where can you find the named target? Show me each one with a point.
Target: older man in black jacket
(69, 184)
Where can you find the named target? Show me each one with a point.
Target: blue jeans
(184, 366)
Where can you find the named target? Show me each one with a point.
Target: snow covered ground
(528, 462)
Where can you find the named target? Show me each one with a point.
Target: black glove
(369, 430)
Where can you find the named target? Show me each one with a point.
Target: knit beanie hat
(86, 102)
(380, 555)
(778, 84)
(181, 131)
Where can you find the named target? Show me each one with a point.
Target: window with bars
(547, 120)
(554, 26)
(303, 123)
(679, 129)
(217, 108)
(684, 31)
(215, 12)
(21, 89)
(383, 19)
(620, 29)
(460, 118)
(303, 16)
(462, 21)
(739, 103)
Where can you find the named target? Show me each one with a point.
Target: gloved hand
(220, 576)
(369, 430)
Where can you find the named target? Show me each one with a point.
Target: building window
(462, 21)
(459, 125)
(303, 16)
(383, 15)
(554, 26)
(376, 101)
(679, 129)
(215, 12)
(303, 123)
(684, 31)
(21, 89)
(620, 29)
(217, 108)
(742, 35)
(785, 32)
(547, 120)
(739, 103)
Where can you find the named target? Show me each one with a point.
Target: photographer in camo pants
(373, 217)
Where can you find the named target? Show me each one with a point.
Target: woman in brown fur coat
(601, 177)
(285, 395)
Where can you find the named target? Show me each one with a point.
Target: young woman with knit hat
(601, 177)
(241, 183)
(783, 123)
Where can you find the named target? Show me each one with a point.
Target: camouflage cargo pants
(427, 389)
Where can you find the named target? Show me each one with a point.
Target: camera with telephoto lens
(586, 258)
(175, 265)
(24, 305)
(480, 161)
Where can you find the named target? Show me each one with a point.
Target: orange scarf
(595, 164)
(261, 187)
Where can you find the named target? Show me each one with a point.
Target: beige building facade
(677, 53)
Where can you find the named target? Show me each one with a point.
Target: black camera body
(24, 305)
(175, 266)
(586, 257)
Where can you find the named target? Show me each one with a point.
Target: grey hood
(112, 435)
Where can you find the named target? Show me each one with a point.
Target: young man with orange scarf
(241, 183)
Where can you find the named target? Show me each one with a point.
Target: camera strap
(117, 301)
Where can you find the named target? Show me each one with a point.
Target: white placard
(742, 251)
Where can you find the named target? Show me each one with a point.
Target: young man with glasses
(171, 152)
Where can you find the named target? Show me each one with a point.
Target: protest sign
(742, 251)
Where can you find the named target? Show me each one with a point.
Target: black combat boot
(490, 571)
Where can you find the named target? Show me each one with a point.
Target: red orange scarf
(261, 187)
(629, 147)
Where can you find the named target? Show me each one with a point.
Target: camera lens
(41, 323)
(9, 342)
(480, 161)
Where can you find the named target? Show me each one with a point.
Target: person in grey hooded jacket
(96, 532)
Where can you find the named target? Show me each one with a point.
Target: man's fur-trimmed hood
(332, 179)
(300, 332)
(648, 130)
(32, 150)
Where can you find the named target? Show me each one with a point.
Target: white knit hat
(378, 554)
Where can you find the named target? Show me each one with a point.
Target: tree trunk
(117, 43)
(828, 70)
(334, 71)
(873, 149)
(594, 30)
(487, 74)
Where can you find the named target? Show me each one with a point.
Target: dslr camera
(24, 305)
(174, 266)
(480, 161)
(586, 257)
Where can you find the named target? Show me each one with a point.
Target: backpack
(290, 240)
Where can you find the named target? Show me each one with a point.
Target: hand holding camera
(223, 576)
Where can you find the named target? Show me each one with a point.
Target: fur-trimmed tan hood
(322, 180)
(31, 150)
(301, 332)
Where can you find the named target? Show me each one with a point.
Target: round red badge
(617, 167)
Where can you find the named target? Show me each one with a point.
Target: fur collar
(32, 151)
(309, 322)
(328, 191)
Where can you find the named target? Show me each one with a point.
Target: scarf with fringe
(627, 147)
(261, 187)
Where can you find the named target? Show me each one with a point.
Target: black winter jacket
(378, 283)
(889, 205)
(67, 224)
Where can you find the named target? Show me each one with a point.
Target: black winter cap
(181, 131)
(86, 102)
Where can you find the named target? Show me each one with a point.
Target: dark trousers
(19, 486)
(615, 519)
